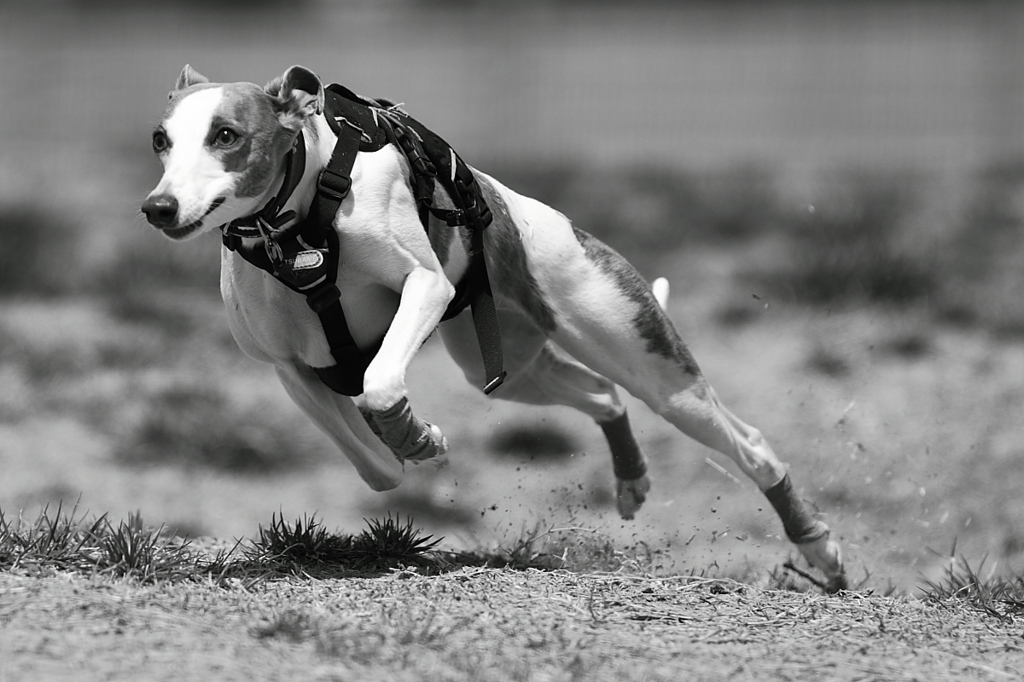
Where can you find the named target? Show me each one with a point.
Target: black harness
(304, 256)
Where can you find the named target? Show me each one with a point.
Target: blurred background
(833, 188)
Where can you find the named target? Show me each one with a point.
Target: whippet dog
(559, 292)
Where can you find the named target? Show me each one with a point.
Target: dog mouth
(183, 231)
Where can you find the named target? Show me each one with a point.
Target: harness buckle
(333, 184)
(455, 218)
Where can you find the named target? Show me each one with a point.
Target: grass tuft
(305, 543)
(305, 547)
(289, 625)
(132, 550)
(64, 541)
(389, 541)
(997, 595)
(58, 541)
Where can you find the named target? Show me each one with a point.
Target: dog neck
(286, 202)
(318, 140)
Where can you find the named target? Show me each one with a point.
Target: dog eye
(160, 141)
(226, 137)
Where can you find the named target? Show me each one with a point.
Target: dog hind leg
(540, 375)
(553, 379)
(613, 324)
(698, 412)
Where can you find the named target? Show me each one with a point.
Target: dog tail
(660, 288)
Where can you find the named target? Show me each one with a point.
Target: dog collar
(269, 221)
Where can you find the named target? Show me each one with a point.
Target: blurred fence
(688, 83)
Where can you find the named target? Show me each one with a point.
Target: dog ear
(299, 94)
(190, 76)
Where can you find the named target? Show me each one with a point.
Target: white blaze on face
(191, 173)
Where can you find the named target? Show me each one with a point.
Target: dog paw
(408, 436)
(824, 554)
(433, 445)
(630, 495)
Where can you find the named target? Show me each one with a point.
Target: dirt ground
(489, 624)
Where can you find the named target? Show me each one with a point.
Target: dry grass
(62, 541)
(391, 604)
(68, 542)
(997, 595)
(491, 624)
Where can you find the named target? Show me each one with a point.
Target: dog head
(223, 146)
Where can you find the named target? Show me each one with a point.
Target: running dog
(558, 292)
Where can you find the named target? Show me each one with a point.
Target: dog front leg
(425, 296)
(339, 418)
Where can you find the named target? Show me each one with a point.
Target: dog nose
(161, 210)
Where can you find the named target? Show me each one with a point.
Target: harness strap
(305, 256)
(332, 186)
(432, 158)
(485, 318)
(305, 259)
(346, 375)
